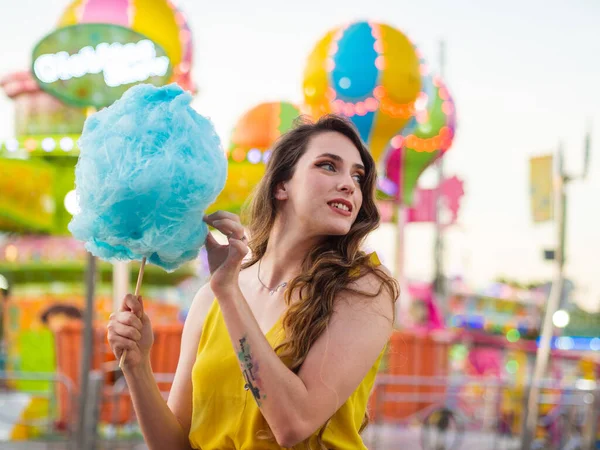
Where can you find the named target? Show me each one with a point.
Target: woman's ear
(281, 192)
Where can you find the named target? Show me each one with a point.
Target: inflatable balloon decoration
(141, 16)
(148, 169)
(182, 72)
(249, 149)
(368, 72)
(413, 150)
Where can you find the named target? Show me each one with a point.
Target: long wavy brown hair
(331, 266)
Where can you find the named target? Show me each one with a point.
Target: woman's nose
(347, 186)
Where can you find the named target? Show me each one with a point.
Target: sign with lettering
(94, 64)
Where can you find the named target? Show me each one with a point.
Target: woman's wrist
(225, 291)
(140, 370)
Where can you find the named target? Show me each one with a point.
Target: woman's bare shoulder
(371, 280)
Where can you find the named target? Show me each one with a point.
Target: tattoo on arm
(249, 370)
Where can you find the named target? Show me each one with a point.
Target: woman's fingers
(120, 343)
(221, 215)
(238, 249)
(126, 331)
(229, 228)
(127, 318)
(228, 272)
(133, 304)
(211, 242)
(227, 223)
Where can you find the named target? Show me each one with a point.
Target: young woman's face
(324, 194)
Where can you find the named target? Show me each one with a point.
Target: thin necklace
(271, 290)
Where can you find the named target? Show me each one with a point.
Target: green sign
(94, 64)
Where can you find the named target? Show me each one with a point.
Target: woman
(280, 350)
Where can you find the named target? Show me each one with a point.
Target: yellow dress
(226, 417)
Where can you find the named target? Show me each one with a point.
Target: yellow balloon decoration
(368, 72)
(154, 19)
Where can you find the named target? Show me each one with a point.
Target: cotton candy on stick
(149, 166)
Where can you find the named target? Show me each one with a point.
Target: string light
(66, 144)
(238, 154)
(30, 144)
(12, 145)
(397, 141)
(266, 156)
(254, 156)
(513, 335)
(361, 109)
(48, 144)
(512, 366)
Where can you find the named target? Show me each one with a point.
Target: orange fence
(409, 353)
(30, 341)
(116, 407)
(412, 353)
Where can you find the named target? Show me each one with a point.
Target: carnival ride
(370, 73)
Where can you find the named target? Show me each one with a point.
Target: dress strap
(374, 259)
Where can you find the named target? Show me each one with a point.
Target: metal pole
(88, 348)
(595, 412)
(543, 352)
(87, 338)
(438, 281)
(404, 301)
(92, 410)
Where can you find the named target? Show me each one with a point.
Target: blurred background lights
(561, 318)
(66, 144)
(71, 203)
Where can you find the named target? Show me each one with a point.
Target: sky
(524, 76)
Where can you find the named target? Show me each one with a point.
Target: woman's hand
(130, 329)
(224, 261)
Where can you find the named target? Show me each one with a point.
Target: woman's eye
(358, 178)
(327, 166)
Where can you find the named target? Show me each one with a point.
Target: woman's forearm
(160, 427)
(279, 392)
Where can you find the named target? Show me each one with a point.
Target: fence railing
(428, 413)
(33, 408)
(451, 413)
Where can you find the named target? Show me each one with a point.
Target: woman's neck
(286, 250)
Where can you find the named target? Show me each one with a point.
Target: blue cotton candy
(149, 167)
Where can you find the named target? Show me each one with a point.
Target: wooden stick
(138, 286)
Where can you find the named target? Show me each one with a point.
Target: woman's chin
(325, 225)
(337, 230)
